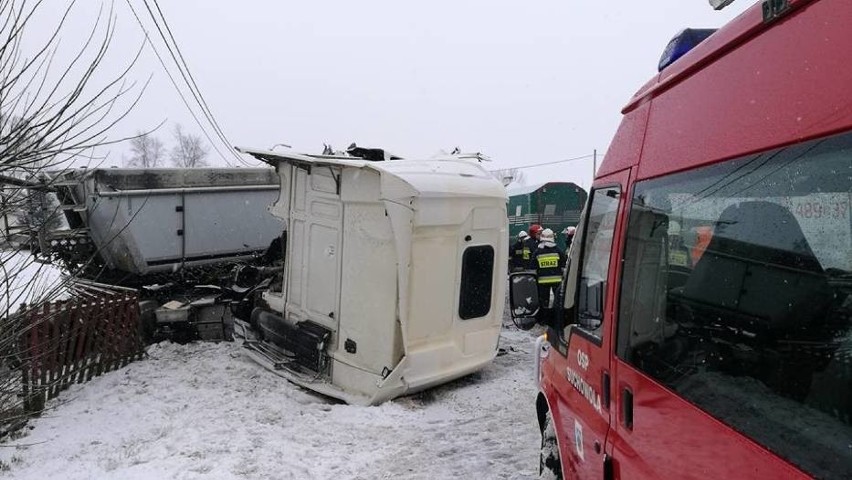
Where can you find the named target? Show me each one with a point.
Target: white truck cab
(394, 274)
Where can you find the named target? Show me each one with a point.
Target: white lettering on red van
(583, 360)
(581, 385)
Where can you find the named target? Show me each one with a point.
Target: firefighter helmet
(535, 229)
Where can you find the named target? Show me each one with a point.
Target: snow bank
(206, 411)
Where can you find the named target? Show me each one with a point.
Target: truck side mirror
(523, 299)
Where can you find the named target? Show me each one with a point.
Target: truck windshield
(737, 295)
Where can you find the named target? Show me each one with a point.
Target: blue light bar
(682, 43)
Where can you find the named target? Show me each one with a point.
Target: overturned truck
(393, 278)
(129, 224)
(169, 232)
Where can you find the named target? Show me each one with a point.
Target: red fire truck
(704, 328)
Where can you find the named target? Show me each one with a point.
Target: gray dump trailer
(147, 221)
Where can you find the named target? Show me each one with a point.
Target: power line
(196, 93)
(521, 167)
(193, 86)
(175, 85)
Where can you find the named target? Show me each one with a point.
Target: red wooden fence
(67, 342)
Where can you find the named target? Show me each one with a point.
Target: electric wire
(521, 167)
(183, 68)
(175, 85)
(194, 84)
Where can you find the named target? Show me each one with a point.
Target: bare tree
(51, 114)
(146, 150)
(189, 151)
(509, 176)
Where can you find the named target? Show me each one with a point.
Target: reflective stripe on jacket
(548, 262)
(519, 255)
(549, 279)
(529, 248)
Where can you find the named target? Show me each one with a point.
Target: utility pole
(594, 163)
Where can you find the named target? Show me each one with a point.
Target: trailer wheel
(550, 465)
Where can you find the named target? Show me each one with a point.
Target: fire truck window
(476, 280)
(597, 247)
(737, 295)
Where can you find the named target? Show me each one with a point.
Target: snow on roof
(273, 158)
(450, 176)
(526, 189)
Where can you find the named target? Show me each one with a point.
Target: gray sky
(523, 82)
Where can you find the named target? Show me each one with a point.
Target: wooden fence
(66, 342)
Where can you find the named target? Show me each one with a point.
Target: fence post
(22, 341)
(58, 319)
(136, 329)
(91, 329)
(42, 356)
(129, 330)
(116, 334)
(72, 330)
(93, 357)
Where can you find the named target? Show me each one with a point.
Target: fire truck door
(583, 408)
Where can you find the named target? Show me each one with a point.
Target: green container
(553, 205)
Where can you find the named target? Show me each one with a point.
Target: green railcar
(553, 205)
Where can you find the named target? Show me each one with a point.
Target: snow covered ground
(206, 411)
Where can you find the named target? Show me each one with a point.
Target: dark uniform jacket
(568, 240)
(519, 256)
(548, 261)
(530, 246)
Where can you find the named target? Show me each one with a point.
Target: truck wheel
(550, 466)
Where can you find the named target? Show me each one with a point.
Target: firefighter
(530, 245)
(569, 237)
(549, 260)
(519, 255)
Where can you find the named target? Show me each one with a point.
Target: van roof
(751, 87)
(734, 33)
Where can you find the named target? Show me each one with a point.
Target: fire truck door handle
(627, 408)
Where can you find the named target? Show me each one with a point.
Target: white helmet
(546, 235)
(522, 235)
(674, 228)
(569, 231)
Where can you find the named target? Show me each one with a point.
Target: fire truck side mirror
(523, 299)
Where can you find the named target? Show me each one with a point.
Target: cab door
(314, 240)
(580, 355)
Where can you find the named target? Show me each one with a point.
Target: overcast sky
(522, 82)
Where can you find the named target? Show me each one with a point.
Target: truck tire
(550, 465)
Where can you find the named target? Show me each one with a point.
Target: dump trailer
(139, 222)
(393, 279)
